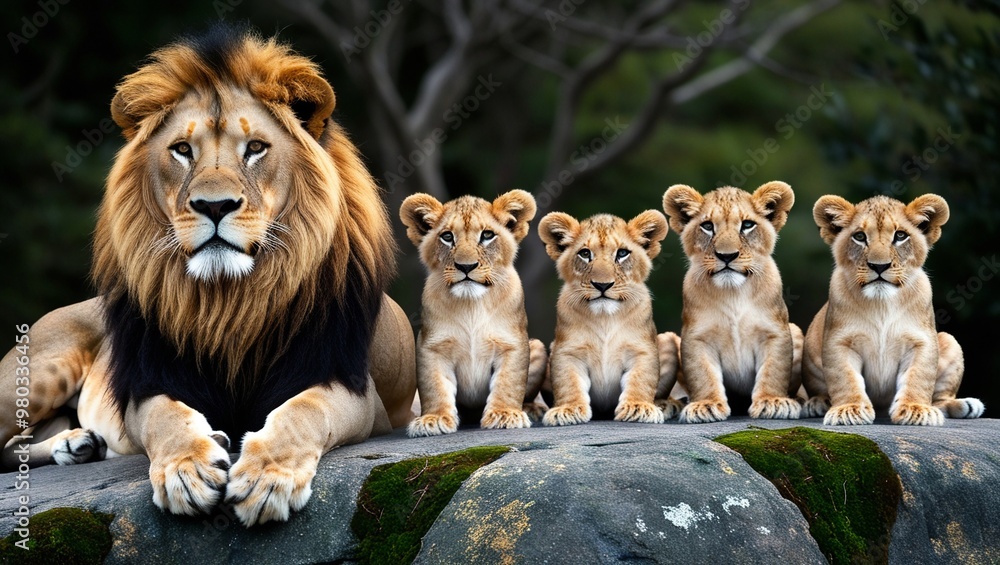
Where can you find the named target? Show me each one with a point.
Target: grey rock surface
(597, 493)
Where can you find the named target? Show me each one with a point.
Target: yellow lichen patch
(726, 468)
(946, 460)
(969, 471)
(955, 542)
(909, 461)
(124, 540)
(908, 498)
(499, 531)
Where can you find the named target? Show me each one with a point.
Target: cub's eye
(748, 225)
(901, 236)
(585, 254)
(487, 235)
(182, 149)
(447, 237)
(709, 227)
(860, 237)
(256, 148)
(622, 254)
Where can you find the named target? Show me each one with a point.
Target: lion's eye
(901, 236)
(860, 237)
(181, 150)
(709, 227)
(748, 225)
(584, 254)
(447, 237)
(255, 150)
(622, 254)
(487, 235)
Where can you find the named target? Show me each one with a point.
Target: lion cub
(473, 351)
(735, 331)
(605, 352)
(875, 342)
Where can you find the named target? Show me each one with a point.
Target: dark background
(904, 101)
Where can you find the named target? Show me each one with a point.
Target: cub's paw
(777, 408)
(704, 411)
(432, 425)
(78, 446)
(191, 482)
(643, 412)
(916, 415)
(816, 407)
(270, 481)
(671, 407)
(962, 408)
(568, 415)
(504, 419)
(849, 414)
(534, 410)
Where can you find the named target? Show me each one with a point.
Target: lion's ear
(120, 114)
(681, 203)
(515, 209)
(419, 213)
(773, 201)
(648, 229)
(558, 231)
(309, 96)
(929, 212)
(832, 214)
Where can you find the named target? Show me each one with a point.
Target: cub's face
(603, 260)
(728, 233)
(880, 244)
(468, 244)
(219, 177)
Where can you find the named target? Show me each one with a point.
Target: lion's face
(880, 244)
(221, 178)
(728, 233)
(603, 260)
(467, 243)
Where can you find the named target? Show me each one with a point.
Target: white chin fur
(218, 262)
(604, 306)
(879, 291)
(468, 289)
(728, 279)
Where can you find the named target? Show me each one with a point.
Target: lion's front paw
(916, 415)
(849, 414)
(432, 425)
(816, 407)
(643, 412)
(776, 408)
(704, 411)
(568, 415)
(671, 407)
(270, 481)
(78, 446)
(504, 419)
(193, 482)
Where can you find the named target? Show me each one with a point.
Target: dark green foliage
(844, 485)
(66, 536)
(399, 501)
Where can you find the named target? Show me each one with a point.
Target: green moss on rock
(844, 485)
(66, 536)
(400, 501)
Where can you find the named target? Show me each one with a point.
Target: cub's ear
(832, 214)
(419, 213)
(558, 231)
(773, 201)
(681, 203)
(929, 212)
(648, 229)
(515, 209)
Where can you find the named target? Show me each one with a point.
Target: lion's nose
(603, 287)
(879, 268)
(466, 267)
(727, 258)
(215, 210)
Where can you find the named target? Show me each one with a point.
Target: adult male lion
(241, 254)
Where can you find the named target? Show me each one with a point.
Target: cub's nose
(879, 268)
(466, 267)
(603, 287)
(215, 210)
(727, 257)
